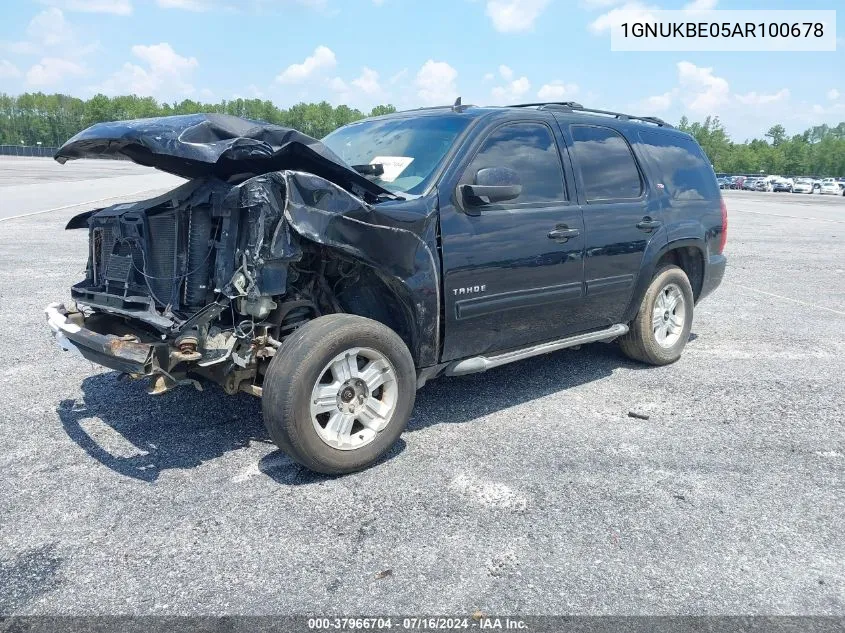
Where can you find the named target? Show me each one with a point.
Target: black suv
(335, 278)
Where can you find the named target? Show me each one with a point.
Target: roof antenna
(457, 107)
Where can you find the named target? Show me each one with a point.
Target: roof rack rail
(572, 106)
(457, 106)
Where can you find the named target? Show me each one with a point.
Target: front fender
(406, 261)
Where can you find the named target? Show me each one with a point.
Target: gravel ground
(525, 490)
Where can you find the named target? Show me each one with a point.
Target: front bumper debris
(114, 352)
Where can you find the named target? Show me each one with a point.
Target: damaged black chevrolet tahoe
(335, 278)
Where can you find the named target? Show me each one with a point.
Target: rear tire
(338, 393)
(662, 326)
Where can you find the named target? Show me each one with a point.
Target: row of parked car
(830, 186)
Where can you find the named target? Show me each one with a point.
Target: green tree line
(819, 151)
(51, 119)
(33, 118)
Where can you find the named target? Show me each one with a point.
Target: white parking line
(803, 303)
(78, 204)
(781, 215)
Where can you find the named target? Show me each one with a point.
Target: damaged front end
(207, 281)
(185, 283)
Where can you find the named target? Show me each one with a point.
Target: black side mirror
(492, 184)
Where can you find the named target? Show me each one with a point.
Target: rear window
(607, 167)
(680, 162)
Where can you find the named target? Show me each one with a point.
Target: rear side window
(531, 151)
(607, 166)
(680, 162)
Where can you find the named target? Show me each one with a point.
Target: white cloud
(489, 76)
(833, 94)
(236, 6)
(49, 34)
(399, 76)
(513, 91)
(701, 5)
(753, 98)
(510, 16)
(702, 91)
(435, 83)
(166, 74)
(253, 92)
(658, 103)
(557, 90)
(51, 70)
(628, 12)
(8, 70)
(163, 59)
(367, 82)
(185, 5)
(320, 5)
(322, 59)
(50, 29)
(636, 11)
(116, 7)
(58, 47)
(362, 91)
(338, 85)
(19, 48)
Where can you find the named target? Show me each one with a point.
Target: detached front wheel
(338, 393)
(662, 326)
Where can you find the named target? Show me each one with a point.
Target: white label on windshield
(393, 166)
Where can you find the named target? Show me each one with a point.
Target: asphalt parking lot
(526, 490)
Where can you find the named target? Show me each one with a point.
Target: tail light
(723, 237)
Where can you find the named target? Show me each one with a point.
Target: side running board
(483, 363)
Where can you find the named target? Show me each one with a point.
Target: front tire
(662, 326)
(338, 393)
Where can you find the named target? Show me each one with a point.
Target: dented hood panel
(217, 145)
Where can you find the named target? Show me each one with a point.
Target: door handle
(648, 225)
(562, 233)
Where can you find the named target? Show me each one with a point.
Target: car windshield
(407, 149)
(803, 181)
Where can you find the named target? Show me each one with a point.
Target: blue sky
(409, 53)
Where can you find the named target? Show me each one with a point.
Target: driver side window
(531, 151)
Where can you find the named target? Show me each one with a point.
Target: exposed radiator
(103, 238)
(167, 256)
(199, 260)
(161, 258)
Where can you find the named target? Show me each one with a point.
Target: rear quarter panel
(690, 200)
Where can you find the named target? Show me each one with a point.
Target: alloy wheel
(354, 398)
(668, 316)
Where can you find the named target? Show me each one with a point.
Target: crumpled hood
(219, 145)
